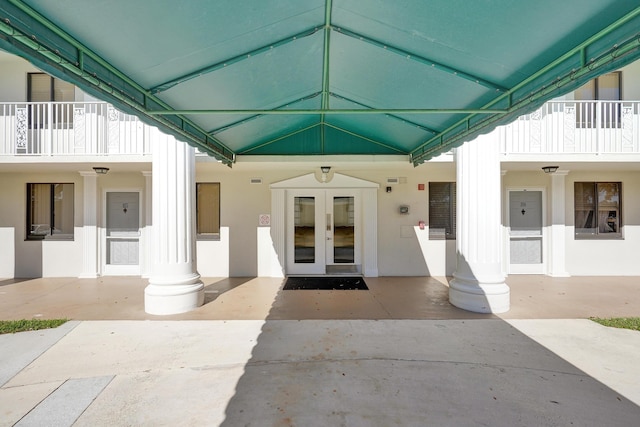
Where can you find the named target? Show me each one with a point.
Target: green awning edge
(623, 41)
(57, 60)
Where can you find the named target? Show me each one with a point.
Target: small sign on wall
(264, 220)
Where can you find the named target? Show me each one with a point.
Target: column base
(173, 299)
(479, 297)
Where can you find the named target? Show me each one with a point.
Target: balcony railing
(69, 128)
(97, 128)
(579, 127)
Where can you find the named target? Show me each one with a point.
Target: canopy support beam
(325, 65)
(255, 116)
(230, 61)
(424, 128)
(333, 111)
(422, 60)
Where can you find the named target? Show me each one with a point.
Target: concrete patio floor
(255, 355)
(122, 298)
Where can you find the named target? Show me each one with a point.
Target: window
(50, 211)
(42, 89)
(597, 209)
(208, 210)
(442, 210)
(604, 88)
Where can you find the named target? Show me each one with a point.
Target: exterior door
(122, 233)
(526, 247)
(323, 231)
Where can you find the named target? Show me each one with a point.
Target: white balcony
(575, 127)
(64, 128)
(97, 128)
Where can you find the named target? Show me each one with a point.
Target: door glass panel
(343, 230)
(526, 213)
(304, 211)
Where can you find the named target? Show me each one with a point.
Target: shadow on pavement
(461, 372)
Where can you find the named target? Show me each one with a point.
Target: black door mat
(325, 283)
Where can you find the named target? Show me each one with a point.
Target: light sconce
(101, 170)
(325, 170)
(549, 169)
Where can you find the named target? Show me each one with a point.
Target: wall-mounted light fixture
(325, 170)
(101, 170)
(549, 169)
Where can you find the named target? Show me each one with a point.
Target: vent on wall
(393, 180)
(256, 180)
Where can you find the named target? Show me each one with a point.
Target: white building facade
(165, 212)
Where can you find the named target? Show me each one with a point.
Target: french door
(323, 231)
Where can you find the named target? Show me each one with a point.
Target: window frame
(590, 115)
(62, 114)
(452, 235)
(213, 235)
(29, 217)
(597, 235)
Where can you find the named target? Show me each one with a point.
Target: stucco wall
(13, 87)
(403, 249)
(630, 82)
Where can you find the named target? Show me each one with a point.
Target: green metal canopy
(318, 77)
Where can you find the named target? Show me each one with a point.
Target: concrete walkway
(322, 373)
(279, 359)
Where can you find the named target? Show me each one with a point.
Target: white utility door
(526, 246)
(323, 231)
(122, 233)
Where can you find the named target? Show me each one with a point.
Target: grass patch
(13, 326)
(632, 323)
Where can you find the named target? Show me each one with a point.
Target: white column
(478, 284)
(174, 284)
(90, 225)
(558, 228)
